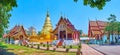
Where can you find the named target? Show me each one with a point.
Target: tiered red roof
(16, 31)
(71, 31)
(67, 22)
(96, 28)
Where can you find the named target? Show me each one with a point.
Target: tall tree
(107, 29)
(110, 28)
(95, 3)
(117, 30)
(5, 7)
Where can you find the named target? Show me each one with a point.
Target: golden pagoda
(46, 34)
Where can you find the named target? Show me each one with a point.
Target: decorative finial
(47, 13)
(61, 14)
(64, 16)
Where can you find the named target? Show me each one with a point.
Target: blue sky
(33, 13)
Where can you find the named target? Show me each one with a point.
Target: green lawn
(22, 50)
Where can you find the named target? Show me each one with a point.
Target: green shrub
(43, 45)
(70, 46)
(64, 46)
(79, 46)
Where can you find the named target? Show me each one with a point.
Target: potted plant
(47, 46)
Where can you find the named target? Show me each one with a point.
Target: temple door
(21, 39)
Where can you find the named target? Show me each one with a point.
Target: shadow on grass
(4, 51)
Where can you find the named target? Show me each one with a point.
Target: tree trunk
(118, 34)
(109, 37)
(118, 37)
(112, 35)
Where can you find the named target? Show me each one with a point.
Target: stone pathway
(87, 50)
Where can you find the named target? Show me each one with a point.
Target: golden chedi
(47, 29)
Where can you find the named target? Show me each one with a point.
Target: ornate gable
(96, 28)
(17, 31)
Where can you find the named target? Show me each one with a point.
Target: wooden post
(38, 46)
(54, 49)
(78, 51)
(47, 46)
(67, 49)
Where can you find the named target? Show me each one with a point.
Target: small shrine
(33, 37)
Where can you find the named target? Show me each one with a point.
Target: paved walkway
(108, 49)
(87, 50)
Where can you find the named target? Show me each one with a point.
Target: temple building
(96, 29)
(66, 32)
(17, 34)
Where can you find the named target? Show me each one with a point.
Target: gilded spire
(47, 25)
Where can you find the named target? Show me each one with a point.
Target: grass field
(22, 50)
